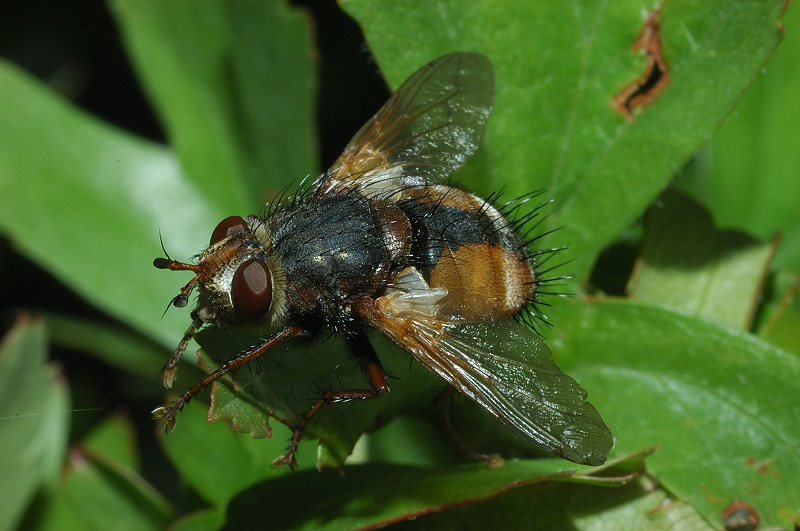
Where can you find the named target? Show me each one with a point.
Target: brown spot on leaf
(762, 467)
(739, 516)
(645, 88)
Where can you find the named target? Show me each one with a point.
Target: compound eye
(228, 227)
(251, 289)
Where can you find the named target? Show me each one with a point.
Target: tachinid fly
(379, 242)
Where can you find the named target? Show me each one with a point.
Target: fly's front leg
(172, 365)
(370, 365)
(167, 414)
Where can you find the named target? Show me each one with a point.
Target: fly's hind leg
(367, 359)
(442, 402)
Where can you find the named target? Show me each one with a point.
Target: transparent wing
(504, 367)
(426, 130)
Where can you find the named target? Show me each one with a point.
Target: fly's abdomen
(461, 242)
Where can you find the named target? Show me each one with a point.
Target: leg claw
(165, 416)
(289, 458)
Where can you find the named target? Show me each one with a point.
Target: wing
(426, 130)
(504, 367)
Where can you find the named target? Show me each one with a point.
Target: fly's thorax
(335, 247)
(239, 281)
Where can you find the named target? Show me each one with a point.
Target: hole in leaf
(646, 88)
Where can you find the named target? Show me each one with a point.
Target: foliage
(699, 358)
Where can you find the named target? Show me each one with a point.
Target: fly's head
(239, 282)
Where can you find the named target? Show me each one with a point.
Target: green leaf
(638, 505)
(688, 265)
(553, 126)
(106, 494)
(55, 514)
(101, 484)
(89, 211)
(747, 175)
(34, 418)
(114, 345)
(274, 75)
(781, 325)
(376, 495)
(115, 438)
(232, 82)
(209, 519)
(717, 401)
(408, 440)
(218, 462)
